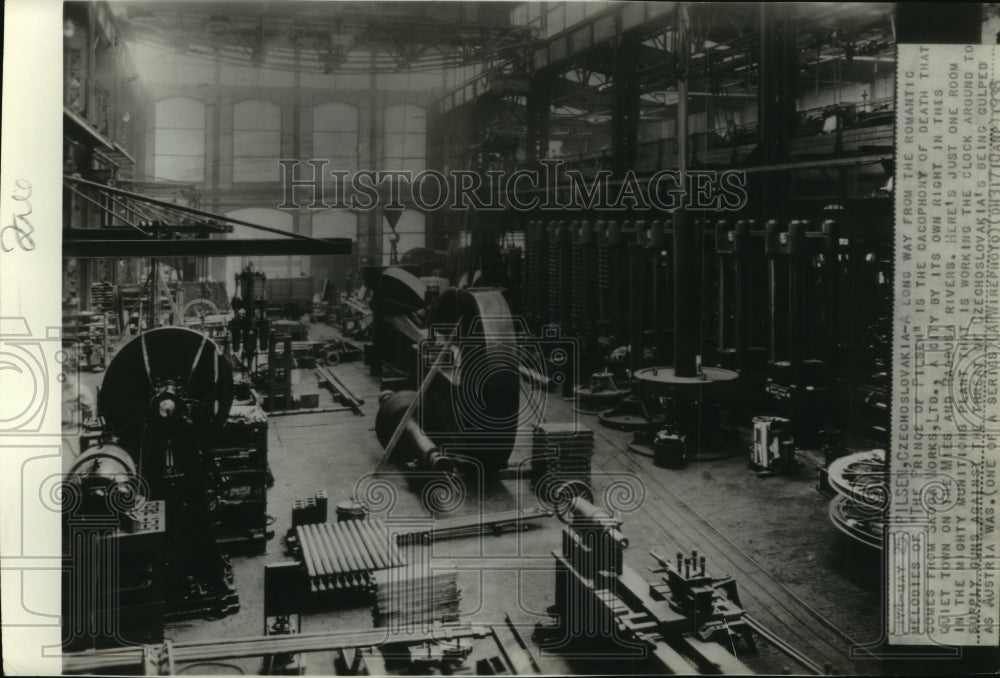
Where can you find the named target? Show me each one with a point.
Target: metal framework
(136, 225)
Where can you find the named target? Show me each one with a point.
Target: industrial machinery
(861, 483)
(249, 327)
(140, 505)
(468, 357)
(689, 623)
(800, 258)
(773, 448)
(446, 650)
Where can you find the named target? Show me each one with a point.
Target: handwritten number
(20, 224)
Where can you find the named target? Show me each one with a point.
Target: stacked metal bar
(341, 557)
(415, 597)
(562, 451)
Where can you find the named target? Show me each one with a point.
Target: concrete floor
(795, 572)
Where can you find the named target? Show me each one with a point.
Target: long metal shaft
(686, 282)
(401, 426)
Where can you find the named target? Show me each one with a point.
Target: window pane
(255, 143)
(335, 224)
(335, 117)
(414, 146)
(180, 142)
(180, 112)
(256, 169)
(179, 168)
(335, 144)
(257, 115)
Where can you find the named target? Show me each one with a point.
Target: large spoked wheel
(184, 363)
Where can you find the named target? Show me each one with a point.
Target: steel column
(686, 273)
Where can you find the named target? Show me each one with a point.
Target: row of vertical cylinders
(694, 566)
(341, 556)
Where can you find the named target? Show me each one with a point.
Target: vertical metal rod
(772, 284)
(289, 361)
(721, 262)
(686, 282)
(795, 320)
(741, 328)
(637, 283)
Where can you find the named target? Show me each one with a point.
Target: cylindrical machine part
(376, 544)
(380, 530)
(350, 510)
(359, 544)
(101, 472)
(414, 443)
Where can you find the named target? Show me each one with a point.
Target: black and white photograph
(500, 338)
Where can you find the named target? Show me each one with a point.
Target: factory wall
(223, 127)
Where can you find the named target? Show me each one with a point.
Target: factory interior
(315, 437)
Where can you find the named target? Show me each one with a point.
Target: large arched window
(335, 135)
(405, 138)
(256, 141)
(179, 140)
(405, 148)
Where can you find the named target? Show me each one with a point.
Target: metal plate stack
(415, 596)
(861, 483)
(561, 451)
(341, 557)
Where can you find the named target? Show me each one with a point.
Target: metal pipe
(311, 558)
(375, 543)
(352, 564)
(324, 557)
(354, 548)
(331, 561)
(365, 540)
(334, 551)
(336, 561)
(306, 554)
(359, 544)
(381, 529)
